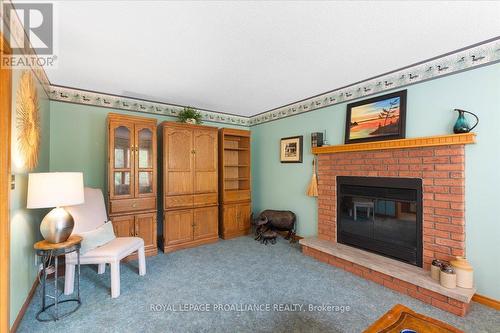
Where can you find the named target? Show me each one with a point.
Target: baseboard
(187, 245)
(227, 235)
(21, 313)
(490, 302)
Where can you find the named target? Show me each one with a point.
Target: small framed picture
(291, 149)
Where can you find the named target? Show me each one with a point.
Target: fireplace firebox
(381, 215)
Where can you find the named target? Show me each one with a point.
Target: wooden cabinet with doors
(234, 183)
(141, 225)
(132, 174)
(235, 219)
(190, 189)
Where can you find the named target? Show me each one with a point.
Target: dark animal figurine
(260, 228)
(276, 220)
(267, 236)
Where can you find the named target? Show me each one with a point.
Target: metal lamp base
(57, 225)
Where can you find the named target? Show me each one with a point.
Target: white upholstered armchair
(90, 216)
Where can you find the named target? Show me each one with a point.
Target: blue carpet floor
(238, 273)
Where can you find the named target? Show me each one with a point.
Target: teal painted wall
(283, 186)
(78, 139)
(24, 223)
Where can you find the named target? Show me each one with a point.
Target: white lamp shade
(55, 189)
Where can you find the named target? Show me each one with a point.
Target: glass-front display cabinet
(132, 159)
(132, 172)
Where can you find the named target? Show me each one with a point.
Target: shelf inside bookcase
(237, 185)
(236, 162)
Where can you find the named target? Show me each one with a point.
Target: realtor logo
(37, 21)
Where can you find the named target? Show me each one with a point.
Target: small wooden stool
(47, 250)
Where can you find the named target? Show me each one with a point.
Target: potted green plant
(190, 116)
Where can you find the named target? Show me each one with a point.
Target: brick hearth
(441, 169)
(396, 275)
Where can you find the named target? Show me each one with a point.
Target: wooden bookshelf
(234, 182)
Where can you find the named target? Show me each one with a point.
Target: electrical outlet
(50, 270)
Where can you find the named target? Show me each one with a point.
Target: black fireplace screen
(382, 215)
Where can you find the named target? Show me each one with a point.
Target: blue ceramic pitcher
(462, 125)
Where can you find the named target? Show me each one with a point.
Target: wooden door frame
(5, 134)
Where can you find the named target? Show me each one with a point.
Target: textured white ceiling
(249, 57)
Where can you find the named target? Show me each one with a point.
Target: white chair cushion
(91, 214)
(98, 237)
(115, 250)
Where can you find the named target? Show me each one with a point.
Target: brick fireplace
(439, 162)
(442, 172)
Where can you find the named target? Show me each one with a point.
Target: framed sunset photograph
(377, 118)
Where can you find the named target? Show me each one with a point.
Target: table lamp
(55, 189)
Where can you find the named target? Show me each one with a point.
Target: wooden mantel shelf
(438, 140)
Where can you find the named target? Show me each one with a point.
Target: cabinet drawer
(241, 195)
(131, 205)
(206, 199)
(178, 201)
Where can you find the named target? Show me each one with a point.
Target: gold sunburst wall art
(28, 120)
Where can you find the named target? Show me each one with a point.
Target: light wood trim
(25, 306)
(5, 136)
(490, 302)
(438, 140)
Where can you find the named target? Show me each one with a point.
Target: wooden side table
(47, 250)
